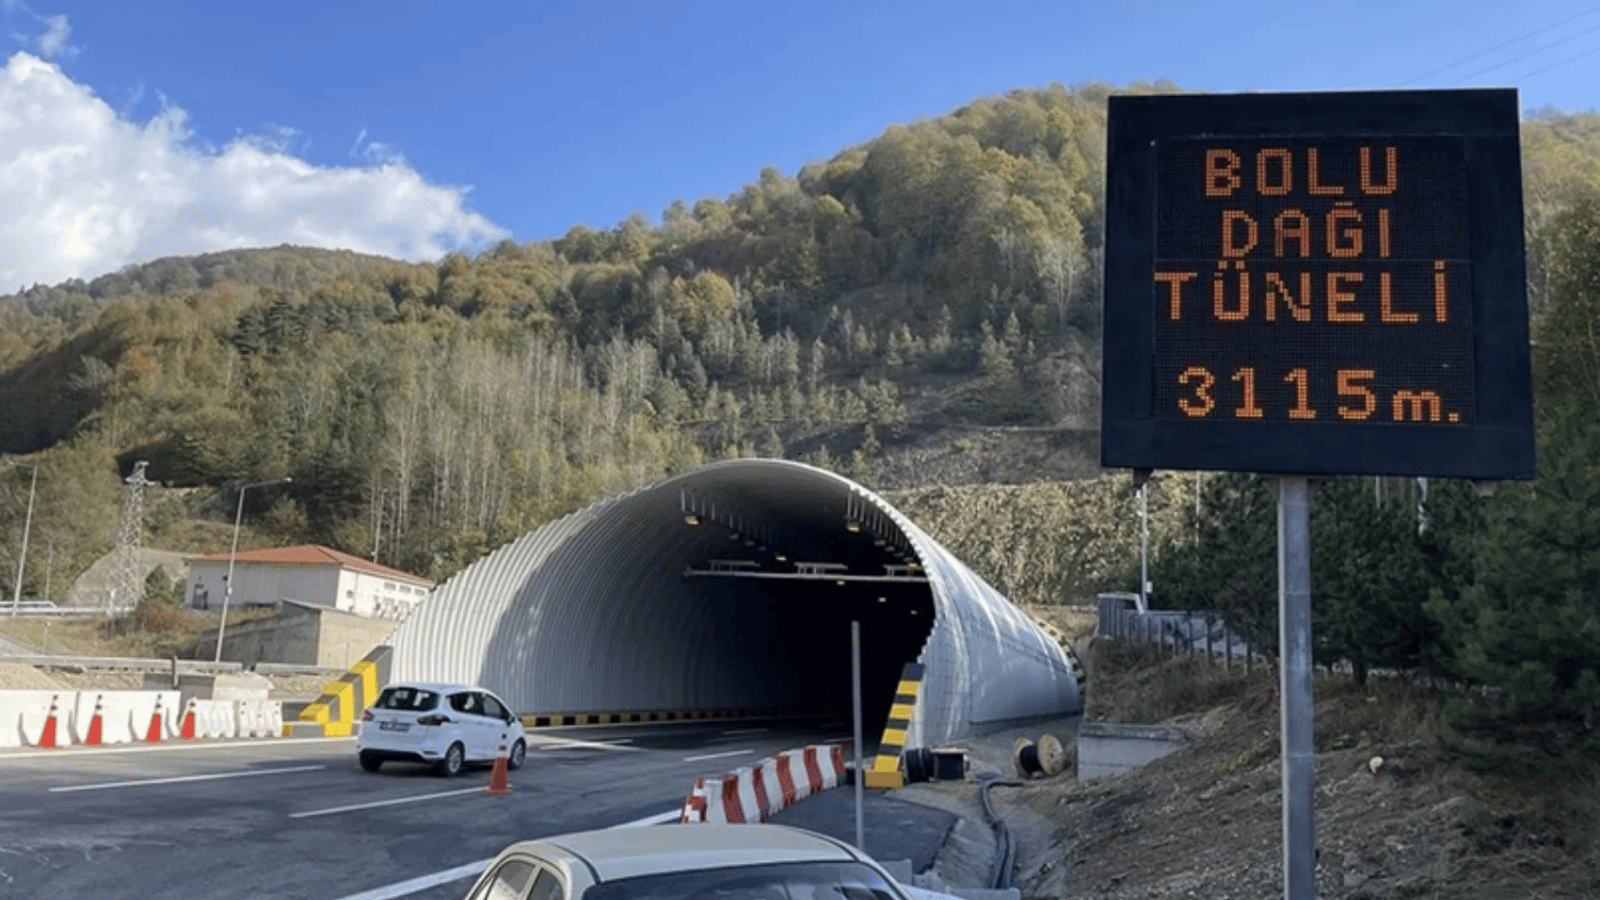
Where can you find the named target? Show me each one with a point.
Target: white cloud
(53, 43)
(86, 191)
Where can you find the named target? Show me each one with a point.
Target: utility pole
(127, 587)
(27, 526)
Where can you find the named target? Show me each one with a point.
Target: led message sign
(1317, 284)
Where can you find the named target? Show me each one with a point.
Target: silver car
(685, 862)
(447, 726)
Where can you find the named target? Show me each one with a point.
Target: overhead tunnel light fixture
(852, 525)
(691, 519)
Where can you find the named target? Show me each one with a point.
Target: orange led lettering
(1246, 377)
(1222, 172)
(1313, 177)
(1202, 403)
(1350, 385)
(1391, 170)
(1441, 304)
(1175, 282)
(1291, 225)
(1344, 239)
(1233, 248)
(1338, 296)
(1417, 406)
(1301, 379)
(1219, 301)
(1387, 313)
(1383, 233)
(1276, 290)
(1285, 182)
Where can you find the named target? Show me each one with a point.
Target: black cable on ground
(1005, 848)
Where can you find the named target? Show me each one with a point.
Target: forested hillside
(919, 310)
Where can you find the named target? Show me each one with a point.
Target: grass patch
(1136, 684)
(154, 630)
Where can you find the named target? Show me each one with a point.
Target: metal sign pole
(861, 775)
(1294, 687)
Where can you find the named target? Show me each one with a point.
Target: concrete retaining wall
(1110, 748)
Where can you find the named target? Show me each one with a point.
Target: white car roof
(614, 853)
(438, 687)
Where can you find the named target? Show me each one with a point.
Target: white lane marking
(660, 819)
(80, 750)
(216, 777)
(747, 731)
(472, 869)
(397, 800)
(565, 743)
(716, 755)
(422, 882)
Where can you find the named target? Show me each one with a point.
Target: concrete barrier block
(23, 715)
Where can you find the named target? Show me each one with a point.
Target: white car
(446, 726)
(685, 862)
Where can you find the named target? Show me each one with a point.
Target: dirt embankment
(1395, 817)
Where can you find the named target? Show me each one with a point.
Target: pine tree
(1530, 625)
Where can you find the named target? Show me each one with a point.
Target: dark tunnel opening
(794, 635)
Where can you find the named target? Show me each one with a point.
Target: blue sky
(135, 130)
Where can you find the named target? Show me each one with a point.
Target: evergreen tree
(1530, 625)
(1368, 582)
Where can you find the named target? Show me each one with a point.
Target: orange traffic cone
(47, 737)
(95, 735)
(154, 734)
(500, 778)
(187, 729)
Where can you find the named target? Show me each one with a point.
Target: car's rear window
(407, 698)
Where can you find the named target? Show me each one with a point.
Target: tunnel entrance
(793, 633)
(730, 590)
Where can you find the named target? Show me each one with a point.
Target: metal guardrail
(1174, 632)
(182, 666)
(55, 610)
(126, 664)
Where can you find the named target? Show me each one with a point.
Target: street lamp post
(27, 526)
(233, 552)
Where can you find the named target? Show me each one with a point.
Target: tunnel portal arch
(732, 587)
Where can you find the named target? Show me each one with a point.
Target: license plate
(394, 726)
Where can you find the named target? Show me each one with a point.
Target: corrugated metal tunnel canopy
(733, 587)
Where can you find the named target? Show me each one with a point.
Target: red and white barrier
(258, 718)
(208, 719)
(24, 716)
(753, 793)
(60, 718)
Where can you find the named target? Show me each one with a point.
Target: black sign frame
(1494, 442)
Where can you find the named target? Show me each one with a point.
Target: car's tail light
(366, 715)
(435, 719)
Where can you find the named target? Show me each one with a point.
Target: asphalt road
(290, 819)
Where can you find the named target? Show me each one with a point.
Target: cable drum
(919, 765)
(1026, 758)
(1048, 757)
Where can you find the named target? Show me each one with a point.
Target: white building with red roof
(310, 574)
